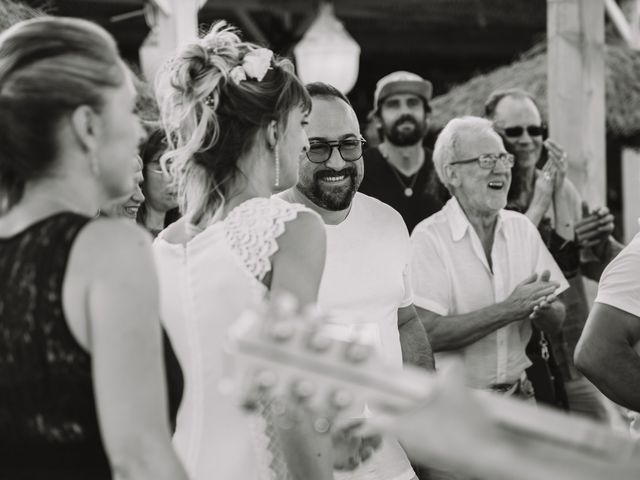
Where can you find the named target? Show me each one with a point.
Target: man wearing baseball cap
(400, 171)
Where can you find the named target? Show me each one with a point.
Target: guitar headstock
(280, 352)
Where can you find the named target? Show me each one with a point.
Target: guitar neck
(372, 382)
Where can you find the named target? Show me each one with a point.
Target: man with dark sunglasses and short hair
(578, 238)
(366, 282)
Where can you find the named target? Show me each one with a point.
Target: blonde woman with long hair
(234, 117)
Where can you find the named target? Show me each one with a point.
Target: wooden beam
(576, 92)
(628, 30)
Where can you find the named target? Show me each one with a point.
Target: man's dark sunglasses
(350, 150)
(532, 130)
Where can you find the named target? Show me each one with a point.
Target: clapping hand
(351, 448)
(533, 292)
(595, 227)
(544, 304)
(556, 166)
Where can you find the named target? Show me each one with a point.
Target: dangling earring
(277, 184)
(95, 168)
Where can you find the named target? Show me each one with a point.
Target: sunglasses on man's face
(350, 150)
(516, 132)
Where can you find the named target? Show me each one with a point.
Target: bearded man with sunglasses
(400, 170)
(578, 238)
(366, 283)
(481, 274)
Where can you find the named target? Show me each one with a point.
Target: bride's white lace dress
(206, 282)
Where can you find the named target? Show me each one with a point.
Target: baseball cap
(402, 82)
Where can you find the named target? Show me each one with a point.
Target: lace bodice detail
(253, 227)
(47, 406)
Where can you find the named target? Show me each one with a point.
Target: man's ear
(86, 127)
(272, 134)
(377, 121)
(452, 175)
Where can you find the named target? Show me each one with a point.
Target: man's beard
(333, 199)
(399, 138)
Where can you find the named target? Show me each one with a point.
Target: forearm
(604, 253)
(616, 374)
(416, 349)
(147, 458)
(452, 332)
(535, 213)
(551, 319)
(308, 454)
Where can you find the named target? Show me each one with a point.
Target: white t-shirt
(366, 276)
(620, 282)
(366, 280)
(451, 276)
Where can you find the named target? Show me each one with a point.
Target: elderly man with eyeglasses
(366, 282)
(481, 274)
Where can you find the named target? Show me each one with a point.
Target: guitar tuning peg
(285, 303)
(282, 331)
(303, 389)
(357, 352)
(314, 315)
(250, 402)
(341, 399)
(319, 343)
(321, 425)
(266, 379)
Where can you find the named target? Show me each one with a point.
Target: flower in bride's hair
(237, 74)
(257, 62)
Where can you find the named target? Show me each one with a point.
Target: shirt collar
(458, 221)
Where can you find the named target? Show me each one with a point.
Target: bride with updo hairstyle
(234, 115)
(82, 390)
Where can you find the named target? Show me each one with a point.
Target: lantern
(327, 53)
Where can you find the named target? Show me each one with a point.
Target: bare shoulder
(307, 228)
(111, 245)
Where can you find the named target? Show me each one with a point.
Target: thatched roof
(12, 11)
(530, 73)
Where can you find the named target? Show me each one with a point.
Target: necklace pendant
(408, 192)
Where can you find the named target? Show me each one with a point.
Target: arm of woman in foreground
(124, 338)
(297, 268)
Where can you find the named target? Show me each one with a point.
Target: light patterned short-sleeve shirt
(451, 276)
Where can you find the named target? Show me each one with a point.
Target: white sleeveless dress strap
(253, 227)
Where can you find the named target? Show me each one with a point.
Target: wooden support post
(179, 25)
(630, 192)
(576, 92)
(173, 23)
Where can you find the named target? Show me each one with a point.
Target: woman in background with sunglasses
(578, 239)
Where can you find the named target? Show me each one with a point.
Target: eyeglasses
(488, 160)
(350, 150)
(155, 167)
(516, 132)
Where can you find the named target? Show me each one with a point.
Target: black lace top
(48, 421)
